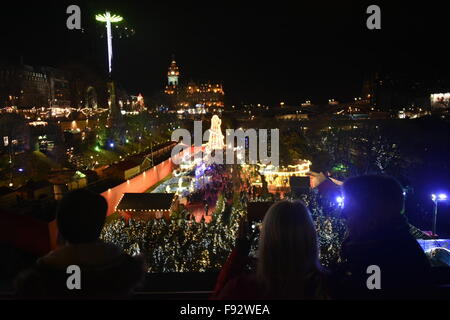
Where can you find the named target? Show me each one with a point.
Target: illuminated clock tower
(173, 74)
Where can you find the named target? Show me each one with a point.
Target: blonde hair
(288, 256)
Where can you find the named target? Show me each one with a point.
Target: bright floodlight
(442, 196)
(109, 18)
(340, 201)
(436, 199)
(439, 197)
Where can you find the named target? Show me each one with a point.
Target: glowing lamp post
(340, 201)
(436, 199)
(109, 18)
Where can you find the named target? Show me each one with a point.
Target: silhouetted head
(81, 215)
(372, 202)
(288, 252)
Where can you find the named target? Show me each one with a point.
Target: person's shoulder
(131, 268)
(243, 287)
(33, 282)
(135, 264)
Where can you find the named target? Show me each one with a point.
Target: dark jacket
(404, 268)
(106, 272)
(233, 268)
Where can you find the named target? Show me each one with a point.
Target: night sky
(263, 53)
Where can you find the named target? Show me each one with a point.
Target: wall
(144, 181)
(138, 184)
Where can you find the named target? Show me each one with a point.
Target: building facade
(193, 94)
(59, 89)
(27, 87)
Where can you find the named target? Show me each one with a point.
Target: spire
(173, 72)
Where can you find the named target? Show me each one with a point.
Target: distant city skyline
(260, 54)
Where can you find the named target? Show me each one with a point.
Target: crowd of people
(289, 263)
(176, 245)
(289, 267)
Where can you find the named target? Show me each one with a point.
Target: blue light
(340, 201)
(111, 145)
(20, 169)
(439, 197)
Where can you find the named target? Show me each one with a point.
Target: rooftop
(146, 201)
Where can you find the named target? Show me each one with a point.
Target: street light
(109, 18)
(340, 201)
(436, 199)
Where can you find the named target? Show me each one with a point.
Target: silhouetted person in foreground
(288, 264)
(106, 271)
(378, 235)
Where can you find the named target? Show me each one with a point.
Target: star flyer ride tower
(114, 112)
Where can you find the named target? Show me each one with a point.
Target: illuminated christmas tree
(216, 138)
